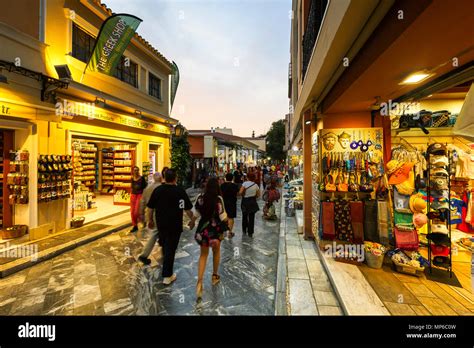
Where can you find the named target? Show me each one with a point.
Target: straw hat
(417, 203)
(393, 165)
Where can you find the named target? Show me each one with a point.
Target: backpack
(273, 195)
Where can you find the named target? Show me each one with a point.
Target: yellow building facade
(46, 113)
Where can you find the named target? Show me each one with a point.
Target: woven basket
(14, 232)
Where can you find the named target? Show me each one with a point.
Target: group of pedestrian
(162, 205)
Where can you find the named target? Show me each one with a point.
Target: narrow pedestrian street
(104, 278)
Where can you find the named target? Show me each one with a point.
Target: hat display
(439, 228)
(401, 174)
(419, 220)
(439, 172)
(441, 261)
(407, 187)
(439, 161)
(393, 165)
(440, 184)
(439, 238)
(439, 250)
(437, 149)
(440, 194)
(440, 215)
(437, 205)
(417, 203)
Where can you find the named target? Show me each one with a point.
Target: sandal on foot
(199, 289)
(216, 279)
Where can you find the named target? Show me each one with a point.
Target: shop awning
(464, 125)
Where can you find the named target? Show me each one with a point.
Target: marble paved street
(104, 278)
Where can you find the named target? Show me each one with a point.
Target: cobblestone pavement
(104, 278)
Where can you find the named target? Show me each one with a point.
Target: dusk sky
(232, 54)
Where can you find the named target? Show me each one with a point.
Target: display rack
(54, 177)
(107, 172)
(84, 176)
(447, 215)
(6, 144)
(88, 162)
(17, 178)
(124, 160)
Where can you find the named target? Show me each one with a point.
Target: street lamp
(178, 130)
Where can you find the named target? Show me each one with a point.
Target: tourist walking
(138, 185)
(229, 192)
(270, 196)
(238, 175)
(210, 230)
(154, 236)
(249, 192)
(169, 201)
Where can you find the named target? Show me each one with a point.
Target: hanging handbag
(329, 186)
(370, 221)
(357, 220)
(406, 240)
(328, 225)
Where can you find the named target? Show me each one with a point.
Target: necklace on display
(354, 144)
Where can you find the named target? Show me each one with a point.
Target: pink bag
(406, 240)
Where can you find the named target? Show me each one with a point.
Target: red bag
(406, 240)
(329, 229)
(357, 220)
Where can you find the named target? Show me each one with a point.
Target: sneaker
(169, 280)
(144, 260)
(134, 229)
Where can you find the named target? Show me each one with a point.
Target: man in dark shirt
(169, 201)
(238, 177)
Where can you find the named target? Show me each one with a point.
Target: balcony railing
(315, 20)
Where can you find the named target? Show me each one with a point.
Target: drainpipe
(42, 20)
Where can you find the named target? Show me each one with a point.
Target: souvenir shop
(61, 174)
(412, 213)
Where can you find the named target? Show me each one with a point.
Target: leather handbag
(330, 186)
(353, 186)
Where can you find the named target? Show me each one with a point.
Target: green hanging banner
(174, 82)
(114, 37)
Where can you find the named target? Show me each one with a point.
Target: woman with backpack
(249, 192)
(270, 196)
(210, 230)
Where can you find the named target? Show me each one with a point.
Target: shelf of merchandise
(6, 212)
(81, 155)
(119, 156)
(448, 268)
(107, 171)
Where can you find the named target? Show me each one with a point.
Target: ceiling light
(415, 78)
(430, 95)
(308, 122)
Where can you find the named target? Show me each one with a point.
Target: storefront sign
(20, 111)
(69, 108)
(114, 37)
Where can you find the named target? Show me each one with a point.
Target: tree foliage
(181, 158)
(276, 141)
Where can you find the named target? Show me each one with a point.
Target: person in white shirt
(249, 192)
(157, 180)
